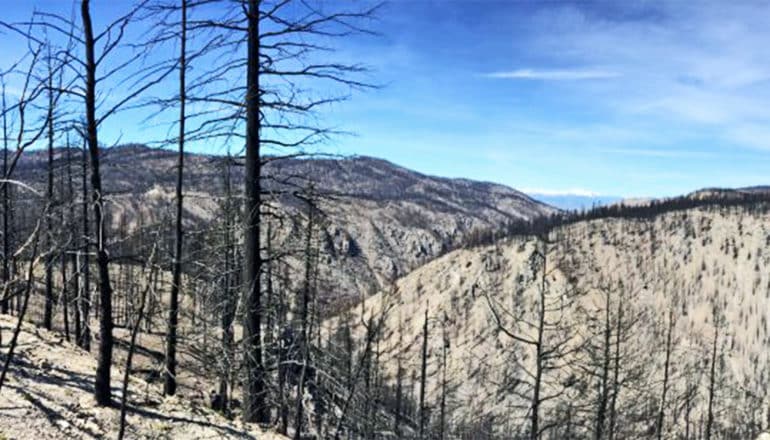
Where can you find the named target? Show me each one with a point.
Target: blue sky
(637, 98)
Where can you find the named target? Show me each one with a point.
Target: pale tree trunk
(72, 256)
(84, 266)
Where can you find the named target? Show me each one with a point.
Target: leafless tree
(282, 41)
(712, 384)
(670, 325)
(83, 77)
(4, 303)
(169, 386)
(549, 335)
(150, 268)
(34, 259)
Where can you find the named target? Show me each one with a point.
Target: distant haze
(574, 202)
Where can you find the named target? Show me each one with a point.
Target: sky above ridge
(634, 98)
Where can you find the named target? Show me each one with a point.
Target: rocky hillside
(382, 220)
(702, 273)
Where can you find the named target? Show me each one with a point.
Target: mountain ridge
(381, 221)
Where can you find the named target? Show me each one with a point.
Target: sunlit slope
(679, 267)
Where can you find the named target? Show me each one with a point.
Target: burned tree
(84, 72)
(272, 113)
(169, 385)
(547, 334)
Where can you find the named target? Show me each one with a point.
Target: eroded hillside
(380, 220)
(615, 290)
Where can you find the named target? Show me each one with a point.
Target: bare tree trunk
(70, 257)
(102, 391)
(303, 317)
(85, 271)
(254, 391)
(616, 368)
(539, 325)
(368, 428)
(48, 310)
(372, 333)
(283, 411)
(712, 382)
(534, 433)
(169, 387)
(228, 302)
(423, 374)
(270, 313)
(23, 311)
(661, 411)
(399, 383)
(65, 295)
(130, 356)
(601, 412)
(690, 390)
(4, 305)
(442, 418)
(78, 299)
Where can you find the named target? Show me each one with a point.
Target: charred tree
(169, 385)
(102, 391)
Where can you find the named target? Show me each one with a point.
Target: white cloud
(692, 67)
(553, 75)
(581, 192)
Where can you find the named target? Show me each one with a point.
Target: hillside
(381, 221)
(48, 394)
(688, 269)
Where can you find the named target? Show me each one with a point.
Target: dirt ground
(48, 395)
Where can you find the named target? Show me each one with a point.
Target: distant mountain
(386, 220)
(574, 202)
(729, 193)
(580, 202)
(704, 194)
(382, 220)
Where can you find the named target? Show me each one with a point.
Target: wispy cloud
(667, 153)
(553, 75)
(685, 71)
